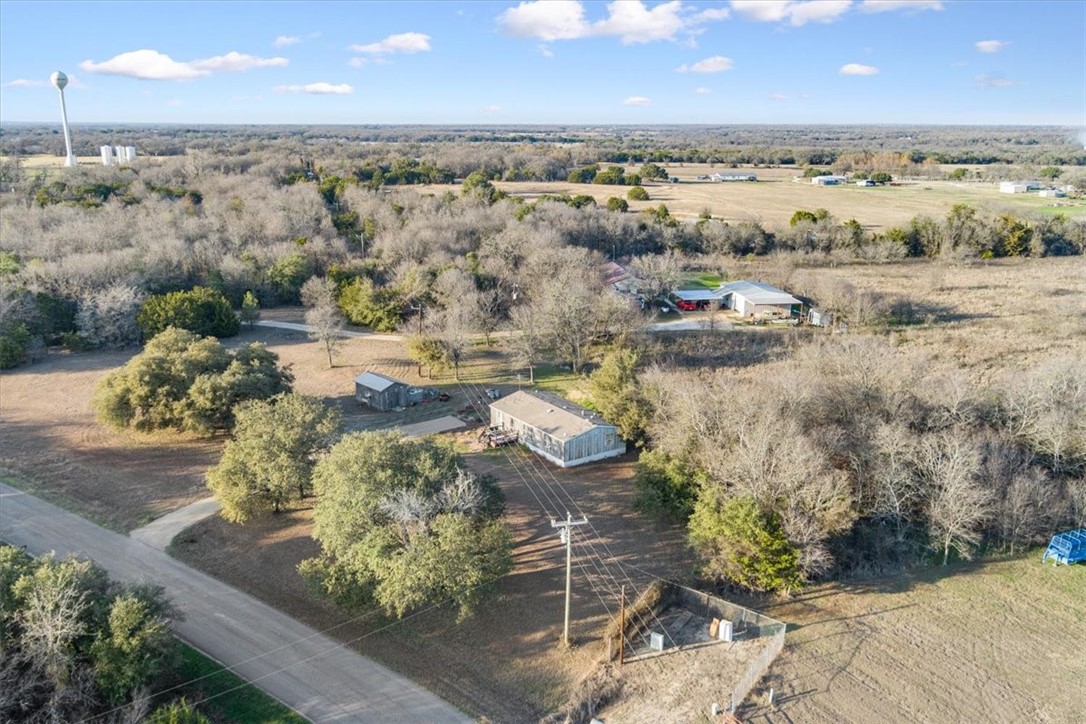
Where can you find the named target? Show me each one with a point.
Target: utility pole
(565, 533)
(419, 309)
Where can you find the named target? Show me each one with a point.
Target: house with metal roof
(747, 298)
(560, 431)
(380, 392)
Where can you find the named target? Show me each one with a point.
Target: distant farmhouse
(733, 177)
(1018, 187)
(380, 392)
(829, 180)
(747, 298)
(560, 431)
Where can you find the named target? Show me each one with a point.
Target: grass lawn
(224, 697)
(703, 281)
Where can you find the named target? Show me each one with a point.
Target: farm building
(560, 431)
(747, 298)
(380, 392)
(733, 177)
(829, 180)
(1018, 187)
(1052, 193)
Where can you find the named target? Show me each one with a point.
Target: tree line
(869, 460)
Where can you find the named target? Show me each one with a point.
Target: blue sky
(556, 61)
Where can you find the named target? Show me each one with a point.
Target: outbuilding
(560, 431)
(747, 298)
(380, 392)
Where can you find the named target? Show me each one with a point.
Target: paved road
(292, 662)
(161, 531)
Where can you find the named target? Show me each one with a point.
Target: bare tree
(957, 505)
(324, 319)
(527, 341)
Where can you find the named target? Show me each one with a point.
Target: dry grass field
(984, 316)
(998, 641)
(776, 196)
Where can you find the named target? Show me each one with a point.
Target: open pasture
(776, 195)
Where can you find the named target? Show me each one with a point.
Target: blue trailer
(1067, 547)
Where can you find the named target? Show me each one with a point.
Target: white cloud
(629, 20)
(712, 14)
(492, 109)
(702, 91)
(794, 11)
(237, 62)
(993, 81)
(817, 11)
(400, 43)
(148, 64)
(173, 102)
(316, 89)
(765, 11)
(991, 46)
(778, 97)
(634, 23)
(715, 64)
(284, 40)
(637, 101)
(545, 51)
(547, 20)
(886, 6)
(358, 62)
(26, 83)
(858, 69)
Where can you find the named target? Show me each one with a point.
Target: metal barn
(380, 392)
(560, 431)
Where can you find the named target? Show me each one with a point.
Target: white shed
(560, 431)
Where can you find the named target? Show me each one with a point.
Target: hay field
(776, 196)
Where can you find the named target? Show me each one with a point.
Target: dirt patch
(998, 641)
(53, 444)
(505, 663)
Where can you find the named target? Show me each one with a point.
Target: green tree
(616, 204)
(269, 463)
(637, 193)
(1050, 172)
(666, 486)
(402, 524)
(187, 382)
(250, 309)
(881, 177)
(368, 305)
(613, 176)
(653, 172)
(958, 174)
(802, 216)
(135, 648)
(740, 543)
(201, 310)
(616, 393)
(428, 352)
(288, 274)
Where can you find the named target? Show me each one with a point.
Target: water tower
(59, 80)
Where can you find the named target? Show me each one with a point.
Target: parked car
(686, 306)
